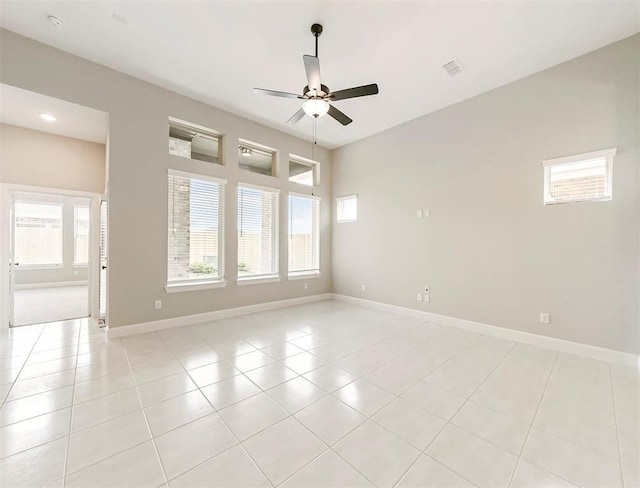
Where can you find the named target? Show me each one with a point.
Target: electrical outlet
(158, 304)
(419, 214)
(419, 297)
(544, 318)
(364, 287)
(306, 286)
(426, 213)
(427, 298)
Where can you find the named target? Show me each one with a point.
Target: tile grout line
(533, 419)
(424, 451)
(239, 443)
(368, 418)
(615, 417)
(73, 395)
(23, 365)
(146, 420)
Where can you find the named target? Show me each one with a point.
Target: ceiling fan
(317, 96)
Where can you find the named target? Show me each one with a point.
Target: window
(581, 178)
(303, 234)
(195, 229)
(193, 141)
(303, 171)
(257, 232)
(347, 208)
(81, 235)
(38, 234)
(256, 158)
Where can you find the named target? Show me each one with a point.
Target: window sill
(80, 266)
(304, 276)
(258, 280)
(182, 287)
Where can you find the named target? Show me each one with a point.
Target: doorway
(53, 249)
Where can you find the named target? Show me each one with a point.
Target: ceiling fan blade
(295, 118)
(312, 67)
(339, 116)
(359, 91)
(273, 93)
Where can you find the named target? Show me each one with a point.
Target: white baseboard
(200, 318)
(55, 284)
(562, 345)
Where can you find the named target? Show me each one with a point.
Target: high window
(256, 158)
(303, 171)
(38, 234)
(195, 221)
(304, 255)
(193, 141)
(347, 208)
(581, 178)
(80, 235)
(257, 232)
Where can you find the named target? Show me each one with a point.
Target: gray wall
(491, 251)
(35, 158)
(137, 180)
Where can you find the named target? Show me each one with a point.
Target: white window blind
(257, 232)
(81, 235)
(303, 235)
(195, 228)
(585, 178)
(38, 234)
(347, 208)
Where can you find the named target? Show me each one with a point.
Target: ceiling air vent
(453, 67)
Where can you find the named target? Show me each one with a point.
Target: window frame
(173, 286)
(199, 129)
(343, 198)
(260, 148)
(606, 154)
(75, 235)
(312, 273)
(37, 266)
(262, 278)
(315, 169)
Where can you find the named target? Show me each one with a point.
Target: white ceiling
(23, 108)
(216, 51)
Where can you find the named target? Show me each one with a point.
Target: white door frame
(6, 190)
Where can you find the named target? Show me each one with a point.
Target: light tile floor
(326, 394)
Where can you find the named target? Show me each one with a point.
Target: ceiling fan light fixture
(315, 107)
(245, 151)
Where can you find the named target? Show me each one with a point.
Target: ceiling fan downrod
(316, 30)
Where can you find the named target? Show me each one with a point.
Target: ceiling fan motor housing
(324, 91)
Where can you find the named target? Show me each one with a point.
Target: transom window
(195, 241)
(580, 178)
(303, 171)
(256, 158)
(257, 232)
(193, 141)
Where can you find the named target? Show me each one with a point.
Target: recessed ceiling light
(57, 21)
(48, 117)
